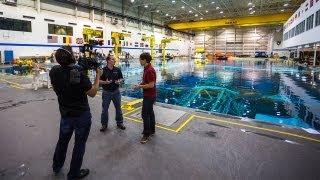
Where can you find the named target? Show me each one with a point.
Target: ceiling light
(286, 4)
(221, 12)
(207, 11)
(196, 15)
(146, 5)
(167, 14)
(217, 7)
(158, 11)
(182, 7)
(282, 10)
(213, 2)
(190, 11)
(174, 17)
(201, 18)
(200, 5)
(173, 1)
(132, 1)
(249, 3)
(253, 6)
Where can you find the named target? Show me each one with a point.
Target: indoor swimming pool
(262, 90)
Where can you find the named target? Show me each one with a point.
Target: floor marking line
(18, 87)
(10, 82)
(185, 123)
(132, 111)
(255, 127)
(158, 126)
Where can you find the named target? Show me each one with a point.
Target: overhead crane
(164, 45)
(116, 37)
(279, 18)
(152, 43)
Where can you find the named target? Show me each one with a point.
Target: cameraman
(72, 87)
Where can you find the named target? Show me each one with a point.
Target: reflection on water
(248, 89)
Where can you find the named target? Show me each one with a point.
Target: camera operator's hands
(99, 72)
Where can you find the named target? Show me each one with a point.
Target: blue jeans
(107, 97)
(81, 126)
(147, 114)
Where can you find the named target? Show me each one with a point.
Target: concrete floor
(197, 146)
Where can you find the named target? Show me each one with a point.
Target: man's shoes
(121, 126)
(103, 128)
(144, 139)
(83, 173)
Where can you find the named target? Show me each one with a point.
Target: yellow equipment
(164, 45)
(116, 37)
(130, 106)
(152, 43)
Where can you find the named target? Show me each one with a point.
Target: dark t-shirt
(114, 74)
(71, 94)
(149, 75)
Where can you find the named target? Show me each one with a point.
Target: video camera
(90, 59)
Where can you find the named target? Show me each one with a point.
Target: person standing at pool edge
(148, 85)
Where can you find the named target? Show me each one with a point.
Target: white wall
(35, 43)
(310, 36)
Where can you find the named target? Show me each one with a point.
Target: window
(310, 22)
(60, 30)
(15, 24)
(317, 18)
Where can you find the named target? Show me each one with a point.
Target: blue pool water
(271, 92)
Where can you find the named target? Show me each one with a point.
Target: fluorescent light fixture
(173, 1)
(190, 11)
(217, 7)
(146, 5)
(132, 1)
(221, 12)
(213, 2)
(182, 7)
(196, 15)
(286, 4)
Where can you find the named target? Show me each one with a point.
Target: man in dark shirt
(110, 81)
(72, 87)
(148, 85)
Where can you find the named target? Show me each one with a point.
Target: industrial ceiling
(173, 11)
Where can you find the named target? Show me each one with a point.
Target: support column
(91, 12)
(104, 14)
(124, 20)
(37, 5)
(315, 54)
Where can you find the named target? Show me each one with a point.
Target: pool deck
(198, 145)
